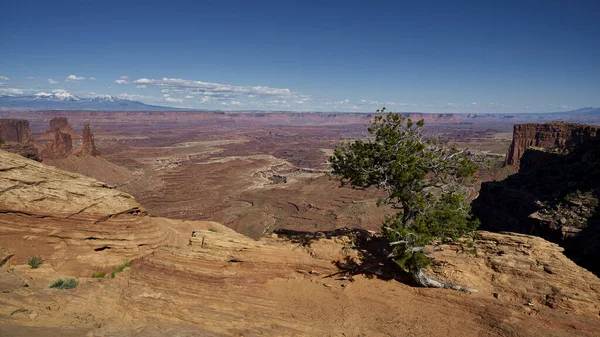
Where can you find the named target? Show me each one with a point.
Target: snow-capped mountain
(105, 98)
(58, 96)
(63, 100)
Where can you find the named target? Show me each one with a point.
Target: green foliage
(34, 261)
(98, 275)
(572, 196)
(68, 283)
(422, 178)
(120, 269)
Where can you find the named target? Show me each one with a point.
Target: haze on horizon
(445, 57)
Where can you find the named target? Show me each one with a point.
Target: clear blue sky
(430, 56)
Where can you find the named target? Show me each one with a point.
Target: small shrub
(34, 261)
(98, 275)
(120, 269)
(68, 283)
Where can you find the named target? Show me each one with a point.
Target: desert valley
(220, 224)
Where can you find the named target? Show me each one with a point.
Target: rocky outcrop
(87, 147)
(15, 131)
(67, 213)
(27, 150)
(61, 147)
(547, 136)
(15, 137)
(61, 124)
(62, 144)
(554, 195)
(522, 269)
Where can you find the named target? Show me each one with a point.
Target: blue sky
(429, 56)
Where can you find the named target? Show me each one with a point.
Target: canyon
(221, 224)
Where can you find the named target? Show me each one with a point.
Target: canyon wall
(15, 137)
(15, 130)
(555, 193)
(547, 136)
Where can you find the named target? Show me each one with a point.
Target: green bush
(98, 275)
(68, 283)
(120, 269)
(34, 261)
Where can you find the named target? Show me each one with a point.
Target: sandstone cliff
(61, 147)
(87, 147)
(15, 130)
(61, 124)
(193, 278)
(15, 137)
(62, 144)
(554, 194)
(547, 136)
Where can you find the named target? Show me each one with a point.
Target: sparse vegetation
(34, 261)
(120, 269)
(68, 283)
(423, 181)
(98, 275)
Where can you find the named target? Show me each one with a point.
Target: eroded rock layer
(15, 130)
(61, 124)
(87, 147)
(61, 147)
(547, 136)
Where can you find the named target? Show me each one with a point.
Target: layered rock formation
(191, 278)
(61, 124)
(15, 130)
(87, 147)
(547, 136)
(15, 137)
(555, 192)
(66, 213)
(62, 144)
(61, 147)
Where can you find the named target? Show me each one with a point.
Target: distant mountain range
(67, 101)
(582, 112)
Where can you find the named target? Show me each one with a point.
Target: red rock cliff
(60, 148)
(547, 136)
(58, 123)
(87, 147)
(15, 130)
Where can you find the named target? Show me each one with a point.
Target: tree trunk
(427, 281)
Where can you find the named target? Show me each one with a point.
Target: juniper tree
(422, 179)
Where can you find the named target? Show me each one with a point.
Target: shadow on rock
(371, 260)
(554, 195)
